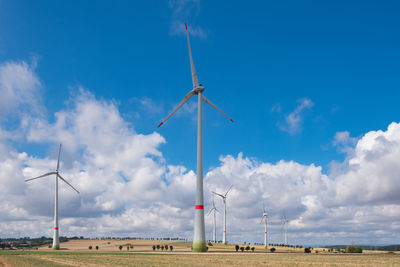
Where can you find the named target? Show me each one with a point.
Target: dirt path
(65, 262)
(4, 263)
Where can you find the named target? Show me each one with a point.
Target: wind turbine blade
(194, 75)
(186, 98)
(59, 176)
(263, 208)
(217, 211)
(47, 174)
(262, 218)
(218, 194)
(228, 190)
(214, 106)
(58, 159)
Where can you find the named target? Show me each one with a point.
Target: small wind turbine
(56, 241)
(265, 218)
(199, 238)
(214, 209)
(285, 225)
(224, 200)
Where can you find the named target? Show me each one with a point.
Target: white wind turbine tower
(214, 209)
(285, 225)
(224, 200)
(199, 237)
(265, 218)
(56, 241)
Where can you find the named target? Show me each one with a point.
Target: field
(76, 253)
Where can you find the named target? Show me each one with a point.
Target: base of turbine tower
(266, 247)
(56, 247)
(199, 246)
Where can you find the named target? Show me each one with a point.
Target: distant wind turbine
(214, 210)
(265, 218)
(199, 238)
(285, 225)
(56, 241)
(224, 200)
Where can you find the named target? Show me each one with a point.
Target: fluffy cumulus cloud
(128, 189)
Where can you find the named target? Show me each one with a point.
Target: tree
(154, 247)
(120, 248)
(247, 248)
(353, 249)
(171, 247)
(272, 249)
(97, 247)
(242, 249)
(252, 249)
(237, 248)
(127, 248)
(166, 247)
(90, 247)
(162, 248)
(307, 250)
(158, 247)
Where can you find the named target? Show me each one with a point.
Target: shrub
(242, 249)
(131, 246)
(166, 247)
(158, 247)
(307, 250)
(252, 249)
(237, 248)
(127, 247)
(154, 247)
(120, 247)
(90, 247)
(97, 247)
(272, 249)
(353, 249)
(171, 247)
(247, 248)
(162, 248)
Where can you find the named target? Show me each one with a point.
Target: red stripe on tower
(55, 228)
(199, 207)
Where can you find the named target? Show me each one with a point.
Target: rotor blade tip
(160, 125)
(231, 120)
(185, 25)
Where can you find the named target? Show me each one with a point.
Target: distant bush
(237, 248)
(353, 249)
(252, 249)
(247, 248)
(272, 249)
(120, 247)
(158, 247)
(90, 247)
(162, 247)
(307, 250)
(171, 247)
(242, 249)
(97, 247)
(154, 247)
(131, 246)
(166, 247)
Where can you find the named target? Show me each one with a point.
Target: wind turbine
(285, 225)
(199, 237)
(265, 218)
(214, 209)
(56, 241)
(224, 200)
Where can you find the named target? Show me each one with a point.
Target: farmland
(76, 253)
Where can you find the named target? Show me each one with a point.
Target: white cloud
(294, 120)
(19, 89)
(184, 11)
(127, 187)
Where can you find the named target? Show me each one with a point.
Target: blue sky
(292, 74)
(342, 56)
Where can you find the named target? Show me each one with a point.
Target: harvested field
(75, 254)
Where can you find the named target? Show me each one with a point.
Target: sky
(312, 87)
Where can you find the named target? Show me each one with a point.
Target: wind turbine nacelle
(200, 88)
